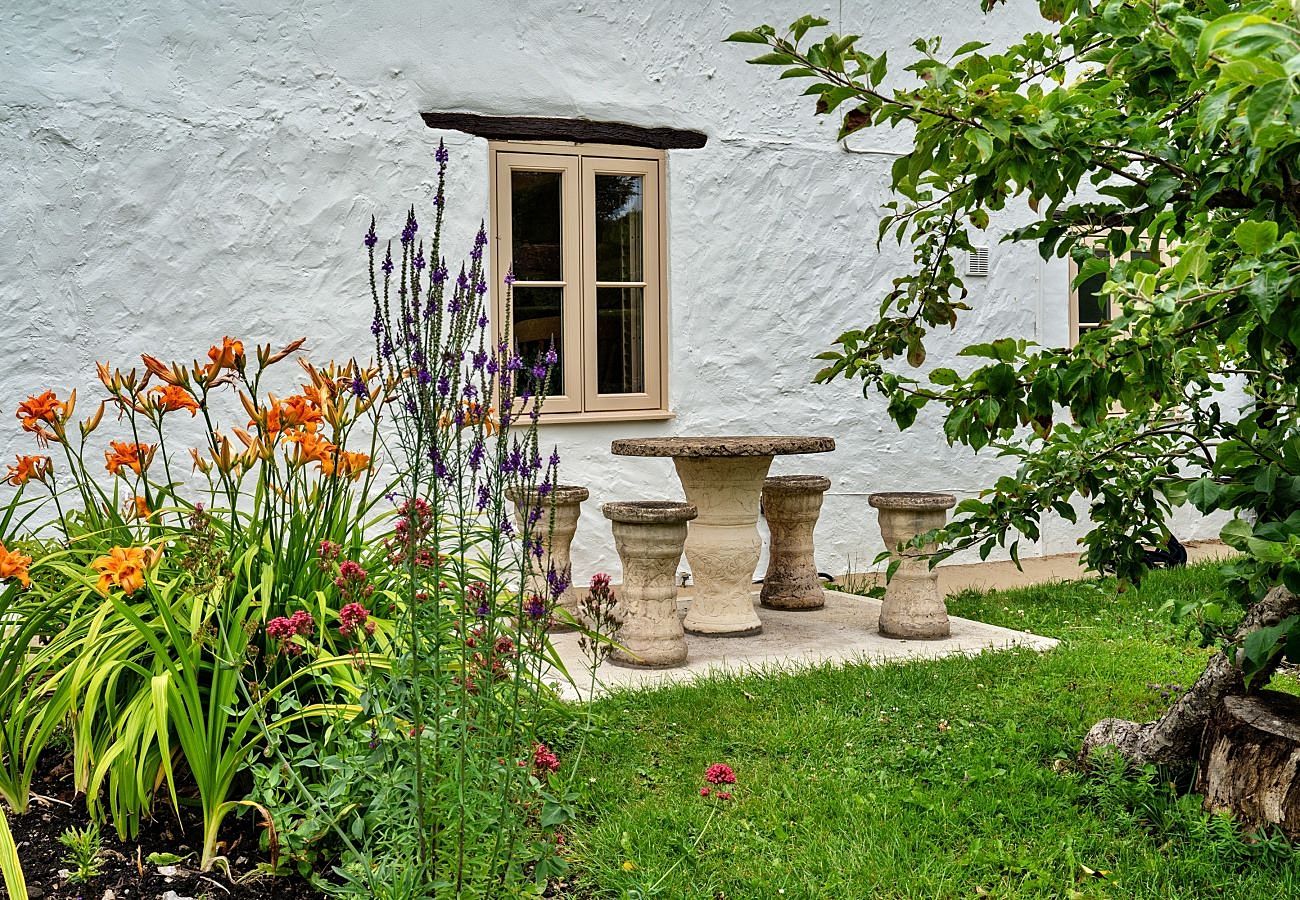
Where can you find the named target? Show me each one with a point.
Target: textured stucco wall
(178, 171)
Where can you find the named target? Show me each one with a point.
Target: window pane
(620, 340)
(539, 323)
(619, 224)
(1092, 307)
(535, 230)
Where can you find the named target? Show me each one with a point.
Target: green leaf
(773, 59)
(983, 142)
(747, 37)
(1255, 238)
(11, 866)
(1262, 644)
(1205, 494)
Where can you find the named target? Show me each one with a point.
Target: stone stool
(650, 536)
(913, 608)
(566, 501)
(791, 504)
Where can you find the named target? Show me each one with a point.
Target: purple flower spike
(387, 265)
(536, 608)
(424, 376)
(442, 155)
(418, 262)
(480, 360)
(539, 371)
(371, 238)
(480, 288)
(510, 277)
(359, 387)
(514, 364)
(376, 327)
(444, 386)
(551, 356)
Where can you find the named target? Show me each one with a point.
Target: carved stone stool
(566, 501)
(650, 536)
(791, 504)
(913, 608)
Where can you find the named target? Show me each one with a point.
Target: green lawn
(927, 779)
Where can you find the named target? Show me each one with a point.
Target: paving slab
(844, 631)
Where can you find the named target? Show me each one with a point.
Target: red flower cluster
(718, 774)
(354, 616)
(545, 762)
(410, 532)
(284, 629)
(352, 582)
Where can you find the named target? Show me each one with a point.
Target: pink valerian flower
(354, 616)
(353, 581)
(720, 773)
(704, 792)
(329, 550)
(283, 629)
(545, 762)
(724, 795)
(303, 623)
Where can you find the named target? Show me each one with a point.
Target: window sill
(596, 418)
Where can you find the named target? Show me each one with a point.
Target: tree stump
(1250, 760)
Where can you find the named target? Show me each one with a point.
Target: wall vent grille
(977, 262)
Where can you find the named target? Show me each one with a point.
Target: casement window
(1089, 309)
(581, 228)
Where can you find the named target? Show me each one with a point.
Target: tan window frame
(579, 164)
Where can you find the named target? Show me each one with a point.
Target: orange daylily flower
(29, 467)
(173, 397)
(174, 375)
(137, 508)
(350, 465)
(125, 567)
(310, 447)
(46, 409)
(14, 565)
(297, 411)
(135, 457)
(230, 355)
(474, 414)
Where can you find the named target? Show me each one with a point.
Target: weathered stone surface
(649, 537)
(564, 503)
(735, 445)
(791, 504)
(913, 608)
(1250, 760)
(723, 545)
(911, 500)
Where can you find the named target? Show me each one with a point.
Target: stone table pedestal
(723, 478)
(649, 536)
(913, 608)
(791, 504)
(565, 501)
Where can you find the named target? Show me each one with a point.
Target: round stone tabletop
(755, 445)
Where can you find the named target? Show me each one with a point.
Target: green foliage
(85, 857)
(1131, 125)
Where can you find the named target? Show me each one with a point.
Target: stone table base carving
(649, 536)
(913, 608)
(791, 504)
(566, 501)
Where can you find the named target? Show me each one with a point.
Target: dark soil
(126, 870)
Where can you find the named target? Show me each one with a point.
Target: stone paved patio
(844, 631)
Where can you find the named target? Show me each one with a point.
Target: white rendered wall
(174, 172)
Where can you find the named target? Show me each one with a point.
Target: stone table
(723, 478)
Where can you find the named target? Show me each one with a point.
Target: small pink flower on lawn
(704, 792)
(720, 773)
(544, 760)
(724, 795)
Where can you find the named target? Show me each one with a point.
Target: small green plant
(85, 857)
